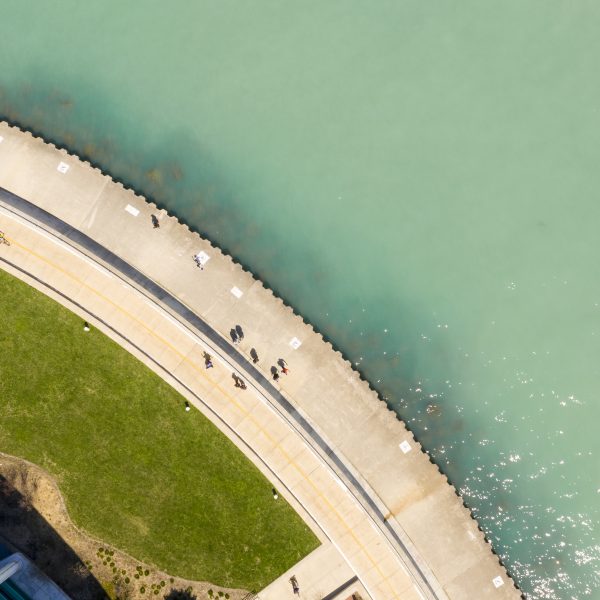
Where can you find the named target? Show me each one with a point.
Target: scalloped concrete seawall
(411, 506)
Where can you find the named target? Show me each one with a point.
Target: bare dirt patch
(34, 521)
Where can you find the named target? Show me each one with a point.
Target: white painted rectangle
(237, 292)
(62, 167)
(202, 258)
(405, 447)
(295, 343)
(132, 210)
(497, 581)
(1, 139)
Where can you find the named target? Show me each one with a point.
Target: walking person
(239, 382)
(295, 586)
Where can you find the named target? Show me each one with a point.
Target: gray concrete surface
(344, 459)
(322, 574)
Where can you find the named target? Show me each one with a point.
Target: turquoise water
(419, 180)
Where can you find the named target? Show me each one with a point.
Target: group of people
(237, 335)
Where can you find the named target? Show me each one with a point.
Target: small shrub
(210, 593)
(162, 584)
(127, 580)
(146, 572)
(142, 590)
(221, 594)
(226, 596)
(136, 575)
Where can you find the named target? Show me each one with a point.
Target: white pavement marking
(202, 257)
(497, 581)
(295, 343)
(62, 167)
(132, 210)
(405, 447)
(1, 139)
(237, 292)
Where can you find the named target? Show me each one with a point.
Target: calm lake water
(419, 180)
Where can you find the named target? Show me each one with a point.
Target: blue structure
(20, 579)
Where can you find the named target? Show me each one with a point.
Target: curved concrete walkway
(89, 243)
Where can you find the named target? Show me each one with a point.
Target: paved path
(322, 575)
(389, 512)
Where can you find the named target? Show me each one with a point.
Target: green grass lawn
(136, 470)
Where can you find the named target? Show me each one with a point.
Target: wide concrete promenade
(345, 461)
